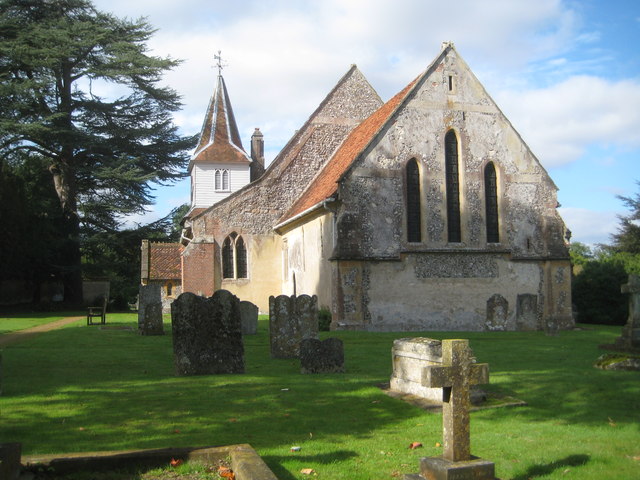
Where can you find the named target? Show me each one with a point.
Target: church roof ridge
(325, 184)
(219, 140)
(288, 153)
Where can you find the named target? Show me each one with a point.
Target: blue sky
(566, 73)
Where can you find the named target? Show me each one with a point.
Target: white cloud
(590, 226)
(285, 56)
(560, 122)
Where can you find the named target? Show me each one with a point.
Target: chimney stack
(257, 154)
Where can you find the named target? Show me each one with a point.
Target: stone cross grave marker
(455, 376)
(630, 337)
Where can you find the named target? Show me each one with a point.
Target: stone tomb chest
(410, 356)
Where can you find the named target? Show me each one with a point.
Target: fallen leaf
(81, 429)
(396, 474)
(565, 471)
(175, 463)
(612, 423)
(233, 420)
(177, 430)
(307, 471)
(415, 445)
(226, 472)
(438, 444)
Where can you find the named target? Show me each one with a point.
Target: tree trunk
(71, 268)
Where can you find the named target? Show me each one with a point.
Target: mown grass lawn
(86, 389)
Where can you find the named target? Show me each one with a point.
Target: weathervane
(220, 63)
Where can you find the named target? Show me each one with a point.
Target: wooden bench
(95, 312)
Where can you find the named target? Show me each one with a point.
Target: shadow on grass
(276, 462)
(549, 468)
(114, 389)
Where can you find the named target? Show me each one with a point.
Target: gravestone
(497, 313)
(630, 338)
(526, 312)
(326, 356)
(409, 357)
(248, 317)
(291, 319)
(207, 335)
(455, 376)
(150, 310)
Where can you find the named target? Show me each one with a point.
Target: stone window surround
(233, 241)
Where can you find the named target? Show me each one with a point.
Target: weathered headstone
(497, 313)
(321, 356)
(527, 312)
(150, 310)
(207, 335)
(409, 357)
(630, 338)
(290, 320)
(248, 317)
(10, 455)
(455, 376)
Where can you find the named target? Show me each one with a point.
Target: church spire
(219, 138)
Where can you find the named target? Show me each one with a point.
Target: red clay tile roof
(164, 261)
(325, 184)
(219, 139)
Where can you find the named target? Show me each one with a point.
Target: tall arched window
(225, 180)
(218, 180)
(491, 203)
(227, 257)
(241, 259)
(414, 225)
(453, 187)
(234, 257)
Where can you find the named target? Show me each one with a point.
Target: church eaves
(219, 139)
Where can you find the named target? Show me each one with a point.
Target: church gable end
(454, 131)
(487, 214)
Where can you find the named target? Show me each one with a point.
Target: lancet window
(453, 187)
(414, 224)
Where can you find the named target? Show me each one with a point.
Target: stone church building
(427, 212)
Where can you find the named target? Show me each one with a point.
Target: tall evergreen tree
(628, 237)
(103, 154)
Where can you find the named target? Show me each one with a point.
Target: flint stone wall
(291, 319)
(326, 356)
(207, 334)
(150, 310)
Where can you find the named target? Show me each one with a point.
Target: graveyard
(95, 388)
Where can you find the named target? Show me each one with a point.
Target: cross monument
(455, 376)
